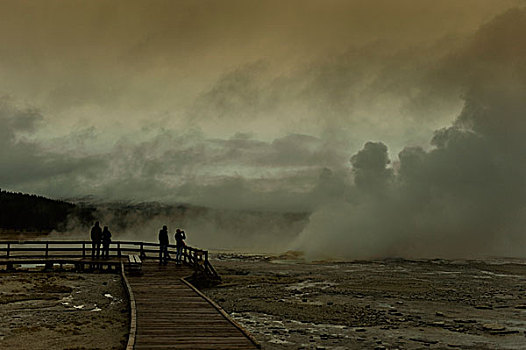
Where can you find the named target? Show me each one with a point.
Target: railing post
(119, 249)
(8, 249)
(205, 263)
(47, 250)
(142, 250)
(83, 250)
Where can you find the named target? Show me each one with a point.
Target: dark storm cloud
(173, 167)
(219, 173)
(99, 61)
(23, 160)
(260, 105)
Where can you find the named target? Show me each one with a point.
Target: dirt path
(389, 304)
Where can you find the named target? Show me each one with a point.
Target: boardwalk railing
(196, 258)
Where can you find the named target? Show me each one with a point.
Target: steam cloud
(467, 194)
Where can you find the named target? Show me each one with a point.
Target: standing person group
(180, 236)
(99, 236)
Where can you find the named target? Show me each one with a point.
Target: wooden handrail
(196, 258)
(133, 311)
(223, 313)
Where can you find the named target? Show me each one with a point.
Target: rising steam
(465, 196)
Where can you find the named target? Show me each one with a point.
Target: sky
(349, 110)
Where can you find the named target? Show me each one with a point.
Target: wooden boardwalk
(171, 314)
(166, 311)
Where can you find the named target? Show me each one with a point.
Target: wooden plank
(191, 340)
(171, 314)
(192, 346)
(188, 328)
(175, 321)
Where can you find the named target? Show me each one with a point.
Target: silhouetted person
(96, 236)
(163, 245)
(106, 240)
(180, 236)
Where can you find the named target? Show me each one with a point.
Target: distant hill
(32, 213)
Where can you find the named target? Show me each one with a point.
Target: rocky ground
(62, 310)
(288, 303)
(389, 304)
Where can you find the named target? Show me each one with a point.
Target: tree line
(29, 212)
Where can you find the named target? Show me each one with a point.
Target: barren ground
(290, 304)
(388, 304)
(62, 310)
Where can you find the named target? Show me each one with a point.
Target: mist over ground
(404, 138)
(248, 231)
